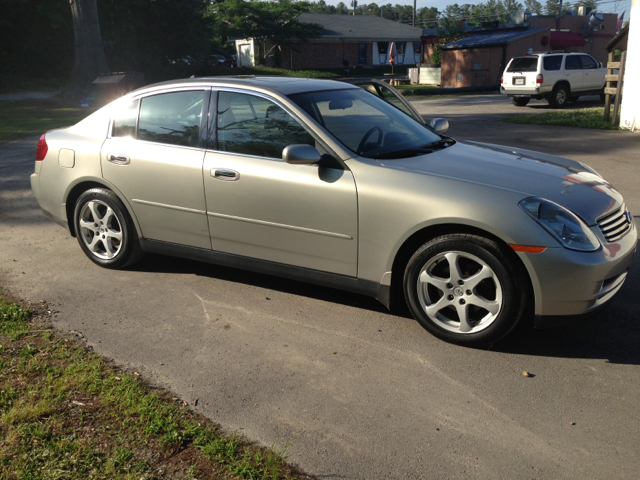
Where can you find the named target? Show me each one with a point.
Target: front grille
(616, 225)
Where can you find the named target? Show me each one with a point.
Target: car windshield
(366, 124)
(523, 64)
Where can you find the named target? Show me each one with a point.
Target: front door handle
(118, 159)
(224, 174)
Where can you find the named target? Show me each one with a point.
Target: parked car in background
(557, 77)
(218, 60)
(337, 185)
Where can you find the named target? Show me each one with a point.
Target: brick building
(362, 40)
(479, 59)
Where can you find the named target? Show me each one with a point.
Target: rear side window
(171, 118)
(573, 63)
(523, 64)
(124, 124)
(552, 62)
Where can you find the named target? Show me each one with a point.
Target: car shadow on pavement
(154, 263)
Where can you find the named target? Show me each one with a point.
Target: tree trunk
(89, 61)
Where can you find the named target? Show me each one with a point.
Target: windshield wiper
(407, 152)
(443, 143)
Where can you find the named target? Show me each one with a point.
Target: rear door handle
(118, 159)
(224, 174)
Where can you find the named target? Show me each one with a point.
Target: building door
(362, 54)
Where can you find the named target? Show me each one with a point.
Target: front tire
(105, 230)
(520, 101)
(464, 289)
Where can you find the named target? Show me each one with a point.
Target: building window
(362, 54)
(400, 49)
(383, 49)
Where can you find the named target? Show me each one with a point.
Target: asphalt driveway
(358, 392)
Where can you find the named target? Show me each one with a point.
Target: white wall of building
(245, 49)
(630, 113)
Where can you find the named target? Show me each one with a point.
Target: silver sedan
(344, 186)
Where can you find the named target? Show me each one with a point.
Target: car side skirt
(325, 279)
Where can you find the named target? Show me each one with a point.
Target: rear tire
(105, 230)
(520, 101)
(559, 96)
(465, 289)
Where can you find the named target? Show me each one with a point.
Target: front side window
(523, 64)
(124, 123)
(366, 124)
(588, 62)
(172, 118)
(256, 126)
(572, 63)
(552, 62)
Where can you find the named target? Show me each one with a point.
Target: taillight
(502, 79)
(539, 78)
(42, 149)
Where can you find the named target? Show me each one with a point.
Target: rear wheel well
(419, 238)
(72, 198)
(563, 83)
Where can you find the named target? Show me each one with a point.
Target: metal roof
(361, 26)
(490, 39)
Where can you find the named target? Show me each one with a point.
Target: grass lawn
(25, 118)
(67, 414)
(584, 118)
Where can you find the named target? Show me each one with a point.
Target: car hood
(563, 181)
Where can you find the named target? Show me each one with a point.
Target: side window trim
(204, 119)
(212, 138)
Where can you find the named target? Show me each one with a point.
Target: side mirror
(440, 125)
(301, 155)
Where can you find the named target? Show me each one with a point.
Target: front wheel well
(419, 238)
(72, 198)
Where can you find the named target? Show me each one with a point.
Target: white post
(630, 115)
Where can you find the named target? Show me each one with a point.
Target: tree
(533, 6)
(271, 24)
(552, 7)
(89, 59)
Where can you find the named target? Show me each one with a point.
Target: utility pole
(414, 13)
(630, 115)
(354, 4)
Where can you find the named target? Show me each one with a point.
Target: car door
(573, 72)
(262, 207)
(593, 75)
(154, 155)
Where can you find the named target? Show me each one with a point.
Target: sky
(606, 6)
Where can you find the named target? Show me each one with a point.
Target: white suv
(558, 77)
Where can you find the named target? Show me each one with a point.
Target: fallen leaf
(528, 374)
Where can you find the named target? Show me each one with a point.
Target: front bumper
(567, 282)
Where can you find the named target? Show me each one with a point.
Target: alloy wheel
(100, 229)
(459, 292)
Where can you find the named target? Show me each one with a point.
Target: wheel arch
(562, 82)
(420, 237)
(86, 184)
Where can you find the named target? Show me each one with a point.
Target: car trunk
(521, 73)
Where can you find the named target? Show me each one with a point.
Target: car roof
(282, 85)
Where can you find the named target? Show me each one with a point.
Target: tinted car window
(124, 124)
(553, 62)
(172, 118)
(256, 126)
(572, 62)
(523, 64)
(364, 123)
(588, 62)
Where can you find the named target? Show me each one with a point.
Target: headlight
(565, 226)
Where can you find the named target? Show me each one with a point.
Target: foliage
(584, 118)
(66, 414)
(273, 24)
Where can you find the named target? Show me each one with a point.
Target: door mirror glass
(301, 155)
